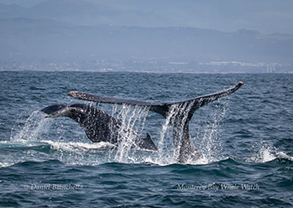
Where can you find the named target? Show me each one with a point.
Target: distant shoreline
(147, 72)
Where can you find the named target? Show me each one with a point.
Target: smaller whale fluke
(98, 125)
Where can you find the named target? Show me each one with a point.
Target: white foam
(34, 126)
(133, 120)
(264, 154)
(70, 146)
(283, 155)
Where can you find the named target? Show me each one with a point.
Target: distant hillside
(76, 31)
(83, 13)
(267, 16)
(40, 38)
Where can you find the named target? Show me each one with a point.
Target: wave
(79, 153)
(267, 153)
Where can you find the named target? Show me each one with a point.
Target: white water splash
(207, 140)
(209, 146)
(133, 120)
(78, 153)
(33, 128)
(263, 154)
(181, 112)
(164, 144)
(283, 155)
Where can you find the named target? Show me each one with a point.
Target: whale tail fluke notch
(148, 143)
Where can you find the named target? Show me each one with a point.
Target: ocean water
(245, 141)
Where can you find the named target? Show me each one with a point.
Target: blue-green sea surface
(245, 142)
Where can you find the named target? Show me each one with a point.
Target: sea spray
(262, 152)
(164, 147)
(176, 120)
(182, 111)
(209, 143)
(132, 121)
(35, 126)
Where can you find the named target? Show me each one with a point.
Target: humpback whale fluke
(98, 125)
(161, 108)
(180, 114)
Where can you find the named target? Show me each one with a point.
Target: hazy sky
(266, 16)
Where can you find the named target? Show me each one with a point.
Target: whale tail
(94, 122)
(161, 108)
(98, 125)
(57, 111)
(53, 108)
(180, 114)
